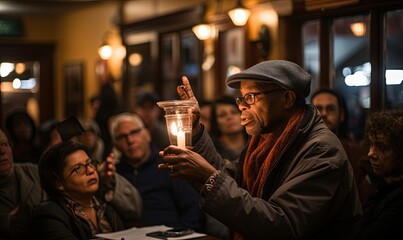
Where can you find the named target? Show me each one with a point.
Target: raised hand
(185, 92)
(107, 169)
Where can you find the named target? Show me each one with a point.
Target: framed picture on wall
(73, 85)
(234, 47)
(233, 43)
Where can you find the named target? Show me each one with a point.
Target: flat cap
(287, 74)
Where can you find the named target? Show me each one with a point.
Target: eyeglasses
(250, 99)
(122, 137)
(82, 168)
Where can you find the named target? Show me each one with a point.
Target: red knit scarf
(262, 152)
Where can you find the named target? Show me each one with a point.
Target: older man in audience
(165, 201)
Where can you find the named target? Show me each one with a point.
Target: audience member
(165, 201)
(22, 132)
(383, 211)
(294, 180)
(150, 113)
(95, 103)
(333, 110)
(48, 134)
(109, 107)
(227, 132)
(20, 192)
(70, 178)
(91, 138)
(205, 114)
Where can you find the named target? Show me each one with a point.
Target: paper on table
(140, 234)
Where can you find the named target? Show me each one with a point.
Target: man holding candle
(165, 200)
(293, 181)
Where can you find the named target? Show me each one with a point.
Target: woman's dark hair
(388, 124)
(52, 163)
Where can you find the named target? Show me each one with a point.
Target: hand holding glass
(178, 116)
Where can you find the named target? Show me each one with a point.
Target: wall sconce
(358, 29)
(239, 15)
(105, 51)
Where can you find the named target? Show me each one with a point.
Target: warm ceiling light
(358, 29)
(19, 68)
(203, 31)
(135, 59)
(239, 15)
(105, 51)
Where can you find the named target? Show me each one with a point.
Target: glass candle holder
(178, 117)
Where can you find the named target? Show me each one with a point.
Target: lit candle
(180, 136)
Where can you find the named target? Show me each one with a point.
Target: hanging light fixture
(204, 30)
(239, 15)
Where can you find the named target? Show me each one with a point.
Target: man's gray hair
(126, 116)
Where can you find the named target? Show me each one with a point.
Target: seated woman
(74, 209)
(383, 211)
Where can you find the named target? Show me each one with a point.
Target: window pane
(394, 60)
(20, 88)
(310, 43)
(352, 67)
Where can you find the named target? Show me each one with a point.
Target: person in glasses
(333, 110)
(293, 180)
(165, 201)
(76, 208)
(21, 192)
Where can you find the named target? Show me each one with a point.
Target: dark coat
(309, 192)
(53, 220)
(383, 213)
(14, 224)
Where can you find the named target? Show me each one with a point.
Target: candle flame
(174, 129)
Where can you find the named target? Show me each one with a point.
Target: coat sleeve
(126, 199)
(386, 222)
(205, 147)
(50, 221)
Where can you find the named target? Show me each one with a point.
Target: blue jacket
(165, 200)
